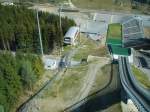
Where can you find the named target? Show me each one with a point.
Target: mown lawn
(141, 77)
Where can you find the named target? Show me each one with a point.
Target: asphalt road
(97, 22)
(94, 21)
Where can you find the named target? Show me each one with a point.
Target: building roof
(120, 51)
(72, 32)
(132, 30)
(114, 34)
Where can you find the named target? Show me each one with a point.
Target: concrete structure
(114, 41)
(129, 106)
(71, 36)
(50, 64)
(132, 32)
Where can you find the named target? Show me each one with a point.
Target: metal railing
(139, 95)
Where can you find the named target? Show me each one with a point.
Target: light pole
(39, 30)
(80, 33)
(60, 8)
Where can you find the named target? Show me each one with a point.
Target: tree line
(18, 30)
(18, 73)
(19, 33)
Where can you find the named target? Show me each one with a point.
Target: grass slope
(103, 4)
(141, 77)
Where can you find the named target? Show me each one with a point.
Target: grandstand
(132, 32)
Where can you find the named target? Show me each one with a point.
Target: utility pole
(39, 29)
(80, 33)
(60, 25)
(60, 8)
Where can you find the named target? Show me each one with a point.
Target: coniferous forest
(19, 33)
(17, 74)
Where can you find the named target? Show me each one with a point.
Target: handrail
(145, 93)
(133, 89)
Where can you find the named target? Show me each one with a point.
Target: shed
(72, 32)
(71, 35)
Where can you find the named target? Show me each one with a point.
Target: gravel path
(90, 78)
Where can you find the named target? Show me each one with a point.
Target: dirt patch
(91, 75)
(147, 32)
(101, 52)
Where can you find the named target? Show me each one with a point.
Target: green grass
(88, 47)
(72, 82)
(103, 4)
(102, 77)
(66, 49)
(114, 31)
(141, 77)
(35, 1)
(1, 108)
(68, 86)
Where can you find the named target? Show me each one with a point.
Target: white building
(71, 36)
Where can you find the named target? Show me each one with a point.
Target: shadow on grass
(100, 102)
(102, 99)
